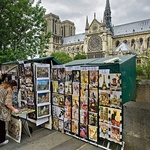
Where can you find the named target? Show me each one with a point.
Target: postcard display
(35, 89)
(87, 103)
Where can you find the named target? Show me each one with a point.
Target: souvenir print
(54, 74)
(67, 106)
(67, 112)
(43, 97)
(68, 75)
(104, 130)
(61, 87)
(83, 130)
(61, 74)
(104, 98)
(30, 98)
(93, 105)
(43, 111)
(92, 133)
(60, 113)
(55, 98)
(84, 77)
(84, 90)
(115, 134)
(116, 99)
(42, 71)
(28, 70)
(104, 81)
(75, 126)
(76, 88)
(43, 84)
(104, 114)
(55, 111)
(115, 82)
(75, 101)
(61, 126)
(55, 86)
(75, 113)
(93, 119)
(93, 92)
(67, 124)
(60, 100)
(83, 103)
(115, 117)
(76, 75)
(68, 88)
(93, 78)
(83, 117)
(55, 123)
(15, 129)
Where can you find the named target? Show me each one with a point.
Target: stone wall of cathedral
(98, 41)
(139, 42)
(58, 29)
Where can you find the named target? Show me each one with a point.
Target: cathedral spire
(107, 15)
(87, 24)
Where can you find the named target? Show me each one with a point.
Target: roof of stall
(40, 60)
(100, 61)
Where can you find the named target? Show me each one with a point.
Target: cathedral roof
(74, 39)
(130, 28)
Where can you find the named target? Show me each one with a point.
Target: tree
(62, 57)
(79, 56)
(22, 29)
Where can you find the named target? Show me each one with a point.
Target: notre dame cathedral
(100, 39)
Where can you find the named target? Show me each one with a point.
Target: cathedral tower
(107, 16)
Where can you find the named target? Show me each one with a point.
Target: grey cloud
(123, 11)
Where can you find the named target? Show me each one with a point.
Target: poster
(115, 82)
(104, 114)
(104, 130)
(43, 111)
(15, 129)
(104, 98)
(92, 130)
(43, 84)
(43, 97)
(75, 126)
(115, 134)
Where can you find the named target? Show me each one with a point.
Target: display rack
(91, 104)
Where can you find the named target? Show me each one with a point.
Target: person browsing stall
(6, 108)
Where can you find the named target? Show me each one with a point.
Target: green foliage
(147, 69)
(79, 56)
(62, 57)
(139, 71)
(22, 29)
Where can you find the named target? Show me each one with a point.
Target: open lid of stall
(40, 60)
(101, 61)
(44, 60)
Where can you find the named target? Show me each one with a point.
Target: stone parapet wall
(136, 125)
(143, 91)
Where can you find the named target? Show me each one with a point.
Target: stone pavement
(45, 139)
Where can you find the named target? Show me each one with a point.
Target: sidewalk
(44, 139)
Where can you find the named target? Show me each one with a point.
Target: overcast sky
(122, 11)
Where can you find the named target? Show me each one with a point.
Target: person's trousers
(2, 131)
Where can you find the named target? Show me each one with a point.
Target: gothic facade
(100, 39)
